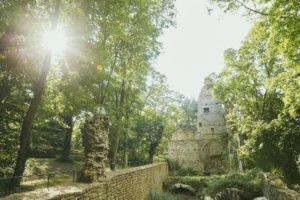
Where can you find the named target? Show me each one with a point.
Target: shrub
(176, 170)
(172, 165)
(250, 182)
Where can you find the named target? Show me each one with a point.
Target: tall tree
(251, 87)
(27, 123)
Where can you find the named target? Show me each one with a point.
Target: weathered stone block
(95, 142)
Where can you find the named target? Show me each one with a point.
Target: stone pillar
(95, 142)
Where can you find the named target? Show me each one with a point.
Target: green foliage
(176, 170)
(157, 195)
(196, 182)
(173, 165)
(250, 182)
(189, 108)
(111, 47)
(260, 88)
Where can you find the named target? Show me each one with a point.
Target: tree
(189, 107)
(27, 123)
(112, 45)
(283, 39)
(17, 71)
(251, 87)
(127, 44)
(160, 117)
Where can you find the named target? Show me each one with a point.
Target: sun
(54, 41)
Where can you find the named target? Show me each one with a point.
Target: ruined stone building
(203, 149)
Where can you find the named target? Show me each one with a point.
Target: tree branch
(251, 9)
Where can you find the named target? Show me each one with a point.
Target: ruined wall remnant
(203, 149)
(95, 142)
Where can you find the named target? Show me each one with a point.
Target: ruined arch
(213, 153)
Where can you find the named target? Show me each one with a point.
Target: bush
(157, 195)
(249, 182)
(172, 165)
(176, 170)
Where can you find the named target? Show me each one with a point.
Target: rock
(231, 194)
(260, 198)
(180, 186)
(208, 198)
(95, 142)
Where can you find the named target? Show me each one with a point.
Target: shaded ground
(37, 170)
(45, 193)
(44, 165)
(60, 181)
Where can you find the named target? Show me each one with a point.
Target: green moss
(197, 182)
(157, 195)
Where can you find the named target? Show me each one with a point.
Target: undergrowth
(250, 182)
(158, 195)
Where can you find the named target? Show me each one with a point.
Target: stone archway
(213, 152)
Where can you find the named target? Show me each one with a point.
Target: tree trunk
(115, 137)
(68, 138)
(240, 164)
(113, 153)
(151, 152)
(25, 135)
(126, 141)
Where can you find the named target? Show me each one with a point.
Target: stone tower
(210, 113)
(203, 149)
(212, 128)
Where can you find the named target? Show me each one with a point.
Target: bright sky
(195, 48)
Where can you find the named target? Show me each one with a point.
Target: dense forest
(63, 61)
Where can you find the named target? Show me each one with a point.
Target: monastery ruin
(202, 149)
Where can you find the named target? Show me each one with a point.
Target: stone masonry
(95, 142)
(202, 150)
(129, 184)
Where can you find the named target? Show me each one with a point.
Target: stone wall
(184, 148)
(135, 184)
(130, 184)
(272, 192)
(203, 153)
(202, 150)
